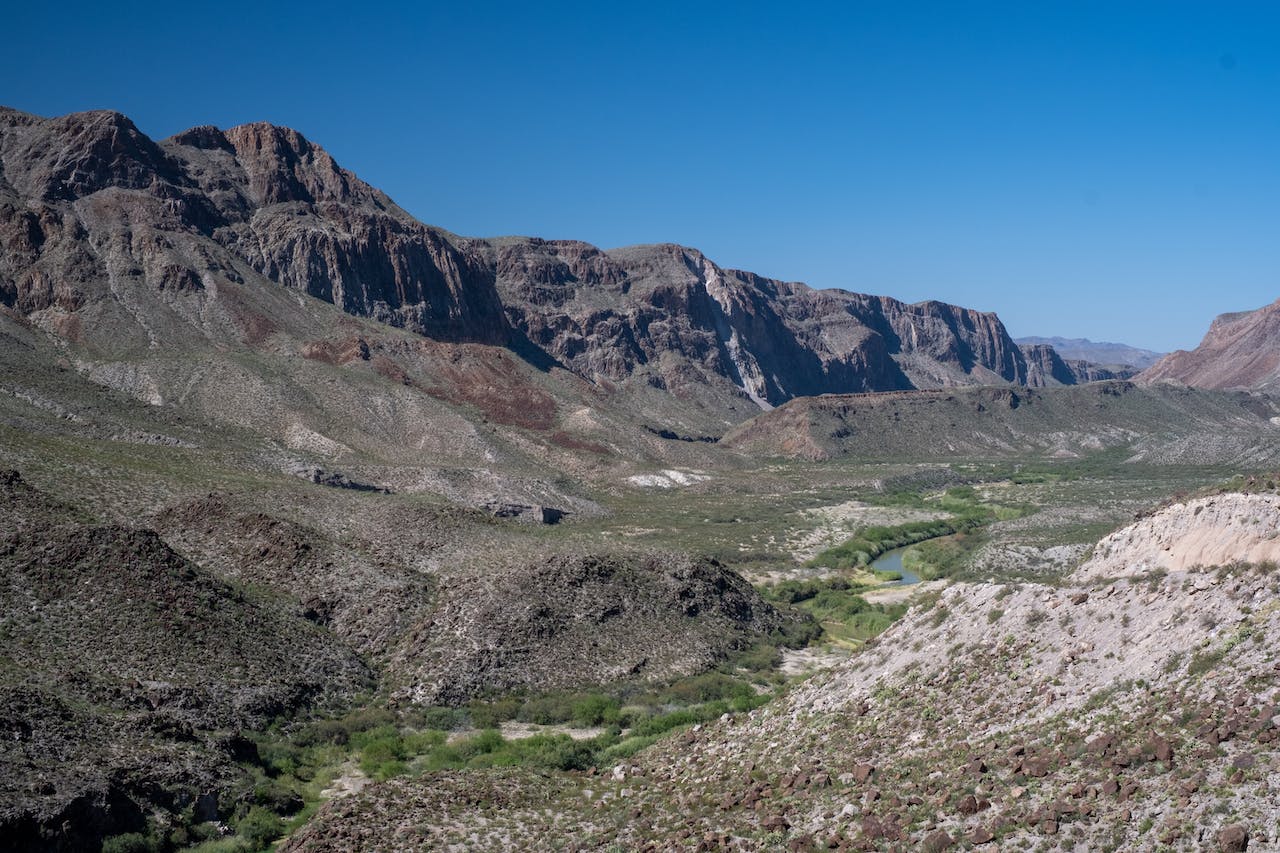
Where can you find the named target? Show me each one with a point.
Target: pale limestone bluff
(1209, 532)
(1240, 350)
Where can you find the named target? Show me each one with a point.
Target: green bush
(443, 719)
(595, 710)
(260, 827)
(130, 842)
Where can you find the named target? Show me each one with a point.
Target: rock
(937, 841)
(774, 823)
(1233, 839)
(862, 772)
(981, 835)
(525, 512)
(1162, 749)
(205, 807)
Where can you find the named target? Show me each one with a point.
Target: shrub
(595, 710)
(260, 827)
(130, 842)
(441, 719)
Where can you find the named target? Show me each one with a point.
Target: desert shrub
(489, 714)
(323, 732)
(442, 719)
(707, 687)
(595, 710)
(547, 710)
(130, 842)
(260, 827)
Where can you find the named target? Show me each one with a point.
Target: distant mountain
(1046, 367)
(1240, 350)
(1097, 352)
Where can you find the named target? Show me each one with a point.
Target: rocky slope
(1122, 709)
(95, 217)
(127, 671)
(671, 316)
(573, 620)
(1101, 353)
(1155, 424)
(1240, 350)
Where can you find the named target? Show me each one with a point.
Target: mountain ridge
(99, 221)
(1241, 349)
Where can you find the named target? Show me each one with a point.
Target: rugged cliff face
(1240, 350)
(92, 211)
(110, 239)
(670, 315)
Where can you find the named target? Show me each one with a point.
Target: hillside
(1240, 350)
(1124, 707)
(299, 494)
(1152, 423)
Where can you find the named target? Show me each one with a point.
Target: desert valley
(325, 529)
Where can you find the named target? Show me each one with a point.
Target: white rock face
(1213, 531)
(667, 479)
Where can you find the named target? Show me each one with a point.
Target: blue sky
(1103, 170)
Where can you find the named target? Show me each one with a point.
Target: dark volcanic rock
(131, 664)
(567, 621)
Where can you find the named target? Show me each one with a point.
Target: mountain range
(123, 246)
(1096, 352)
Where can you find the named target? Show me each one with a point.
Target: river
(891, 561)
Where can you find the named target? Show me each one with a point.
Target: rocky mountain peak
(73, 156)
(283, 166)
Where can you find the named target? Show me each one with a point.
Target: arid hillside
(1129, 706)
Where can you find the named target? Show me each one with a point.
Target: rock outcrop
(1240, 350)
(1213, 531)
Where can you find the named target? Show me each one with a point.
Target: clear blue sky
(1107, 170)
